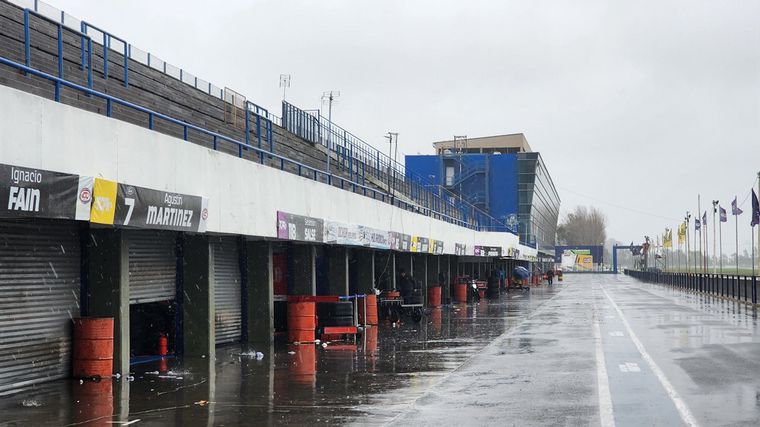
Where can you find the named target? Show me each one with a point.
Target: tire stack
(335, 313)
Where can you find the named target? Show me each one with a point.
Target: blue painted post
(105, 56)
(127, 54)
(60, 63)
(270, 135)
(149, 67)
(27, 48)
(89, 63)
(258, 129)
(247, 124)
(150, 121)
(109, 110)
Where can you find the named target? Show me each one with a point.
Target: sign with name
(36, 193)
(297, 227)
(436, 247)
(420, 244)
(132, 206)
(342, 234)
(375, 238)
(489, 251)
(400, 242)
(460, 249)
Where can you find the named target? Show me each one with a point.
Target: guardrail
(123, 47)
(742, 288)
(362, 160)
(302, 169)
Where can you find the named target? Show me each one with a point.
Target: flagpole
(687, 240)
(715, 208)
(736, 223)
(720, 241)
(701, 226)
(758, 229)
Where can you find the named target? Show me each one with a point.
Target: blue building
(500, 175)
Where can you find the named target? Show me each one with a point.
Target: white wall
(244, 196)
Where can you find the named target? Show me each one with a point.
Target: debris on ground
(202, 402)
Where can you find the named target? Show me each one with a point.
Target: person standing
(550, 275)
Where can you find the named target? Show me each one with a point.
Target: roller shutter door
(152, 266)
(227, 296)
(39, 295)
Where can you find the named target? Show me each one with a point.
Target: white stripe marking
(629, 367)
(680, 405)
(616, 333)
(607, 419)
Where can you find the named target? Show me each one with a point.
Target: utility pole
(284, 83)
(329, 97)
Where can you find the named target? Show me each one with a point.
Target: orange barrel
(93, 347)
(434, 296)
(436, 320)
(163, 345)
(370, 341)
(302, 321)
(303, 364)
(460, 292)
(371, 301)
(94, 400)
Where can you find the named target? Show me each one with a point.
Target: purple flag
(735, 209)
(755, 209)
(697, 225)
(723, 216)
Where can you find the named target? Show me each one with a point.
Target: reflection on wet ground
(370, 382)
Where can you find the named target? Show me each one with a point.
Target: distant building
(502, 176)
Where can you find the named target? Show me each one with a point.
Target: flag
(704, 219)
(697, 225)
(682, 233)
(735, 209)
(755, 209)
(723, 216)
(667, 239)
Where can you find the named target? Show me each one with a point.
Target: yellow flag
(667, 238)
(682, 233)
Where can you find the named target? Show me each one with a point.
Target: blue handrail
(107, 37)
(59, 26)
(312, 173)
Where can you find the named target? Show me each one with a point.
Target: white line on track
(680, 405)
(606, 417)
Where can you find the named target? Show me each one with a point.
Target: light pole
(329, 96)
(284, 83)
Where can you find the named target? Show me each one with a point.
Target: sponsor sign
(460, 249)
(375, 238)
(129, 205)
(420, 244)
(297, 227)
(488, 251)
(36, 193)
(342, 234)
(436, 247)
(400, 242)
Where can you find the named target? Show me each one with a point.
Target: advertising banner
(460, 249)
(488, 251)
(301, 228)
(342, 234)
(436, 247)
(375, 238)
(400, 242)
(129, 205)
(420, 244)
(36, 193)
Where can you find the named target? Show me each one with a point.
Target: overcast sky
(636, 107)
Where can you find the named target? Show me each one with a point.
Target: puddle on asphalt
(370, 380)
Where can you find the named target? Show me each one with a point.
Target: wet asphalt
(592, 350)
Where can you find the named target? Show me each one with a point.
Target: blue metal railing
(107, 37)
(361, 160)
(86, 40)
(310, 172)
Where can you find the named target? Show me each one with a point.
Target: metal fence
(363, 161)
(92, 33)
(742, 288)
